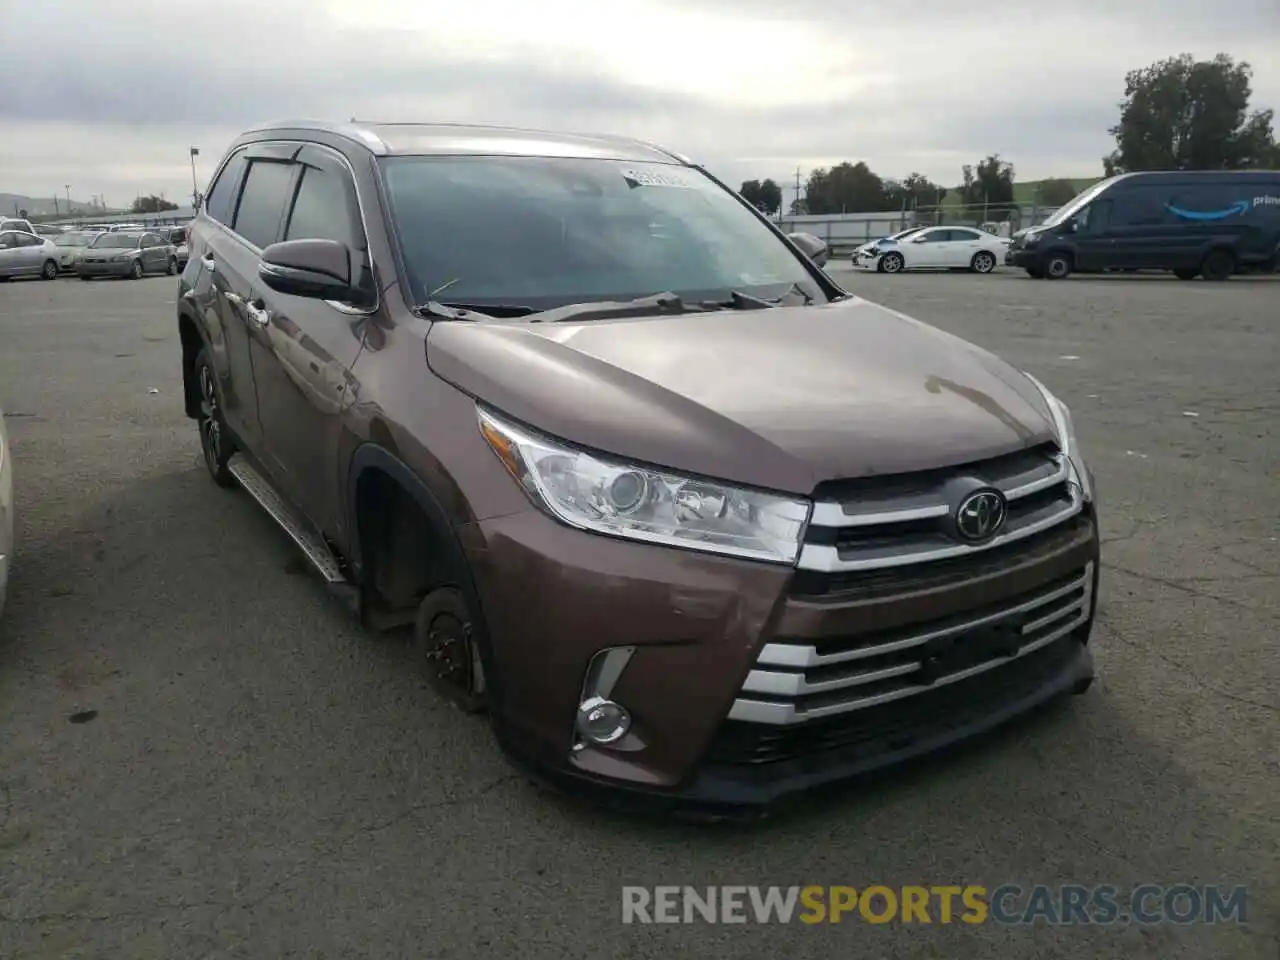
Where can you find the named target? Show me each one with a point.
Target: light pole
(195, 187)
(67, 187)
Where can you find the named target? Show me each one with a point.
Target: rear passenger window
(262, 202)
(221, 200)
(321, 210)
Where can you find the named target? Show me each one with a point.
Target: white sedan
(938, 248)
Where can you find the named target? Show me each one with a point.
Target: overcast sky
(108, 97)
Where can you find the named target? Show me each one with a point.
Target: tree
(1184, 114)
(1055, 192)
(989, 186)
(847, 188)
(764, 195)
(151, 204)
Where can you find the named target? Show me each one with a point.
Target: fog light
(602, 721)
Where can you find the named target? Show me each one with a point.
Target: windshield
(120, 240)
(903, 233)
(71, 240)
(1080, 201)
(544, 232)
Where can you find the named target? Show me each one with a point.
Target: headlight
(619, 499)
(120, 257)
(1066, 430)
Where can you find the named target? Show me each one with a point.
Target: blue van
(1203, 223)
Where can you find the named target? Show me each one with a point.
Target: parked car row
(89, 254)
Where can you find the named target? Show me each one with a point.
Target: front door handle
(209, 263)
(258, 313)
(234, 298)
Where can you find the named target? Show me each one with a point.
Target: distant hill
(10, 203)
(1024, 191)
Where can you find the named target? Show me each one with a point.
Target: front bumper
(1022, 257)
(108, 269)
(553, 597)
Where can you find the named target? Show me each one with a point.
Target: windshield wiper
(472, 311)
(659, 303)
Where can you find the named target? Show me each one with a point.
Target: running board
(313, 546)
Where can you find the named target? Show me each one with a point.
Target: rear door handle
(209, 263)
(234, 299)
(258, 313)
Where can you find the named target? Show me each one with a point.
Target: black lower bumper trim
(746, 791)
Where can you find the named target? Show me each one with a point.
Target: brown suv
(686, 518)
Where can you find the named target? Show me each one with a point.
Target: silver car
(71, 246)
(124, 254)
(27, 255)
(6, 511)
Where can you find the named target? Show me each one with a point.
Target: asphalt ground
(202, 756)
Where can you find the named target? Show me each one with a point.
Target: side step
(261, 489)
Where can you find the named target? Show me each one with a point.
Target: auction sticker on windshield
(639, 178)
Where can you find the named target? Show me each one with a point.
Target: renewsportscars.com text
(1008, 904)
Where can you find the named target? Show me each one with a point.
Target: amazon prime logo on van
(1238, 208)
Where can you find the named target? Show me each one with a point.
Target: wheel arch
(371, 469)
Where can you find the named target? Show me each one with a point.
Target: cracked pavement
(263, 779)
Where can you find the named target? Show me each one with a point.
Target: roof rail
(351, 131)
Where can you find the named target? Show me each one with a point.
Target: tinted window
(266, 190)
(8, 240)
(933, 236)
(967, 235)
(1138, 206)
(321, 211)
(1095, 218)
(29, 240)
(546, 231)
(221, 201)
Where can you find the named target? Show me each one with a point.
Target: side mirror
(809, 245)
(318, 269)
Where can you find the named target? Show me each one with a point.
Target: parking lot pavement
(201, 756)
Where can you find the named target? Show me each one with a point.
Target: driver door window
(1095, 218)
(927, 249)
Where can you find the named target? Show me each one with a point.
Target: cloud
(752, 87)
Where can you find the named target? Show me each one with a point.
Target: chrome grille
(879, 523)
(799, 680)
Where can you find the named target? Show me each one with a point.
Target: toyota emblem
(981, 515)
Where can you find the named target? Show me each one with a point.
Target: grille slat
(885, 522)
(896, 536)
(794, 683)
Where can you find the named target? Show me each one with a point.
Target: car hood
(782, 398)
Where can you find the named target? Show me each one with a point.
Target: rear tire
(1186, 274)
(215, 439)
(172, 267)
(982, 262)
(50, 270)
(1057, 266)
(1218, 265)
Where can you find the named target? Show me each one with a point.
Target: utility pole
(795, 204)
(55, 206)
(67, 187)
(195, 186)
